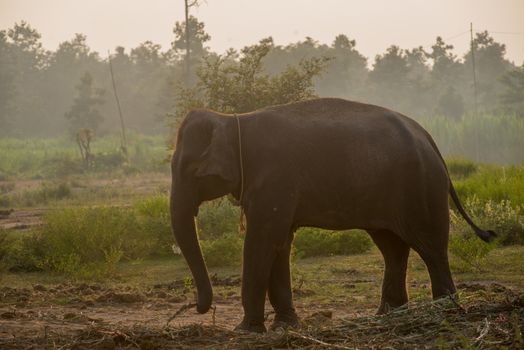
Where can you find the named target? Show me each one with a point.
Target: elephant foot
(251, 326)
(285, 321)
(386, 308)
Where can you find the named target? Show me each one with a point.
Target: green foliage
(502, 217)
(223, 251)
(84, 113)
(47, 192)
(217, 218)
(234, 86)
(59, 158)
(485, 138)
(461, 168)
(494, 183)
(80, 241)
(155, 221)
(316, 242)
(512, 97)
(470, 251)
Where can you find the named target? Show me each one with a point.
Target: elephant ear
(217, 159)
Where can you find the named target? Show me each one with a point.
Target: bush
(316, 242)
(155, 221)
(502, 217)
(18, 251)
(470, 251)
(223, 251)
(218, 218)
(82, 240)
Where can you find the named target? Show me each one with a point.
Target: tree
(84, 114)
(513, 96)
(346, 73)
(490, 66)
(28, 60)
(190, 36)
(450, 104)
(66, 67)
(235, 86)
(389, 78)
(7, 85)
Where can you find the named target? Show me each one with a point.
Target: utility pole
(188, 51)
(123, 143)
(474, 88)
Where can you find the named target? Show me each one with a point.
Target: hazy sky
(235, 23)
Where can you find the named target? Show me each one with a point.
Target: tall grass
(486, 138)
(51, 158)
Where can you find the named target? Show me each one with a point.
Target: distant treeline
(41, 91)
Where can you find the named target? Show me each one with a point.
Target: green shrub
(470, 251)
(316, 242)
(218, 218)
(18, 251)
(494, 183)
(502, 217)
(155, 221)
(76, 241)
(223, 251)
(461, 168)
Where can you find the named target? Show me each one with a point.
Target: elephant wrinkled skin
(327, 163)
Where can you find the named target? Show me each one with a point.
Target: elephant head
(204, 167)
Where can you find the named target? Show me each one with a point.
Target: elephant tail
(486, 236)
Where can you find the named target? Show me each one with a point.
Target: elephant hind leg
(433, 249)
(395, 252)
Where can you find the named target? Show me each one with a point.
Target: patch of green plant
(310, 242)
(154, 219)
(218, 218)
(46, 158)
(76, 240)
(502, 217)
(488, 138)
(495, 184)
(6, 187)
(471, 252)
(47, 192)
(18, 251)
(461, 168)
(225, 250)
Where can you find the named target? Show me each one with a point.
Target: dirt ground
(55, 315)
(91, 316)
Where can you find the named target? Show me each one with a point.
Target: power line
(456, 35)
(510, 33)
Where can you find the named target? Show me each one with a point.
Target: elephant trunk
(183, 224)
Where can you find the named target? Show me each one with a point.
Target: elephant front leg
(280, 293)
(266, 243)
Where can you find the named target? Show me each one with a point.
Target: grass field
(86, 262)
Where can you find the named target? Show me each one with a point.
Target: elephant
(328, 163)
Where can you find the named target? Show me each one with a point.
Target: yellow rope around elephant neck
(242, 226)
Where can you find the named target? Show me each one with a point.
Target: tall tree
(346, 74)
(30, 59)
(512, 97)
(491, 65)
(188, 36)
(84, 113)
(7, 85)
